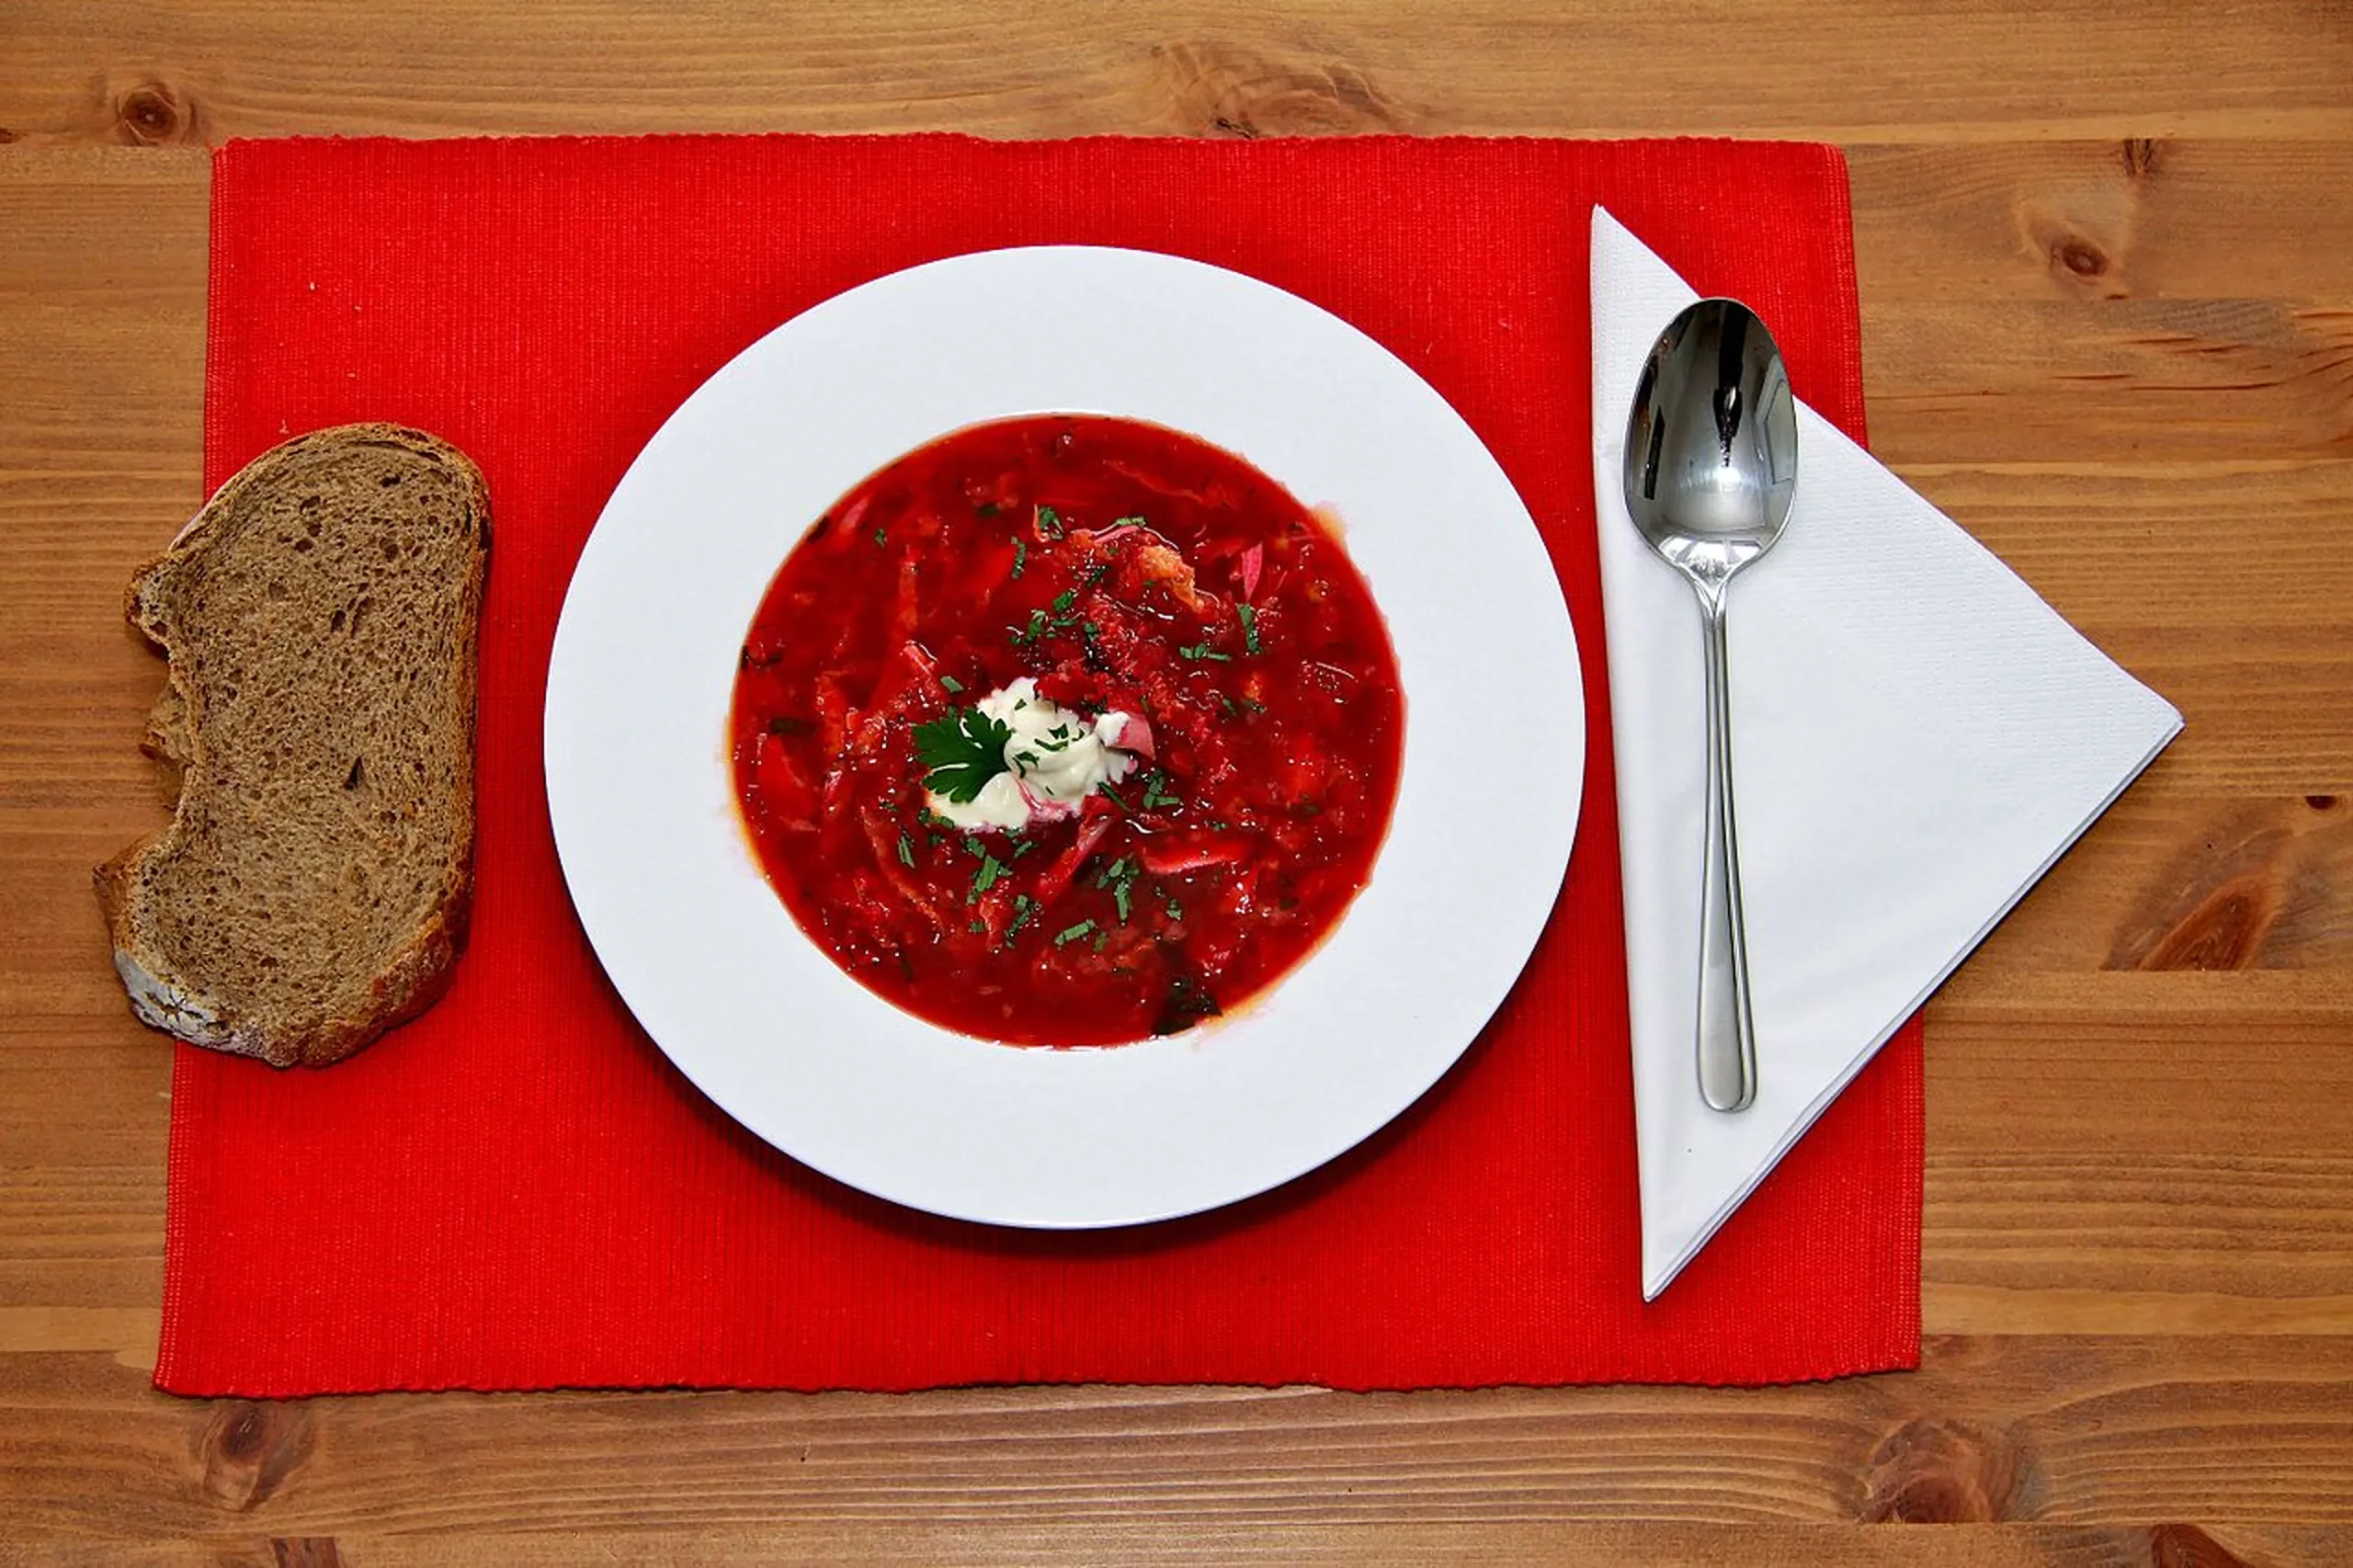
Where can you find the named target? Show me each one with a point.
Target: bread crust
(197, 1008)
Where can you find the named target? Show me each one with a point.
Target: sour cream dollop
(1054, 760)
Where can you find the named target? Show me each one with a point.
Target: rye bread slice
(320, 617)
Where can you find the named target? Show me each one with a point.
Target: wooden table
(2106, 264)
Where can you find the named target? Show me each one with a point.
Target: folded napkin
(1917, 737)
(518, 1191)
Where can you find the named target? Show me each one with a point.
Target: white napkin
(1917, 737)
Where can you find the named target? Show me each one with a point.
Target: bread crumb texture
(319, 618)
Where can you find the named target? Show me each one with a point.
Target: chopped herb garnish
(1203, 650)
(985, 878)
(1069, 934)
(881, 538)
(1050, 523)
(1155, 793)
(955, 687)
(1176, 910)
(1120, 876)
(1115, 798)
(1130, 522)
(964, 749)
(1031, 632)
(987, 509)
(1064, 600)
(1024, 907)
(979, 927)
(906, 848)
(1027, 759)
(1020, 554)
(1249, 627)
(1100, 938)
(1024, 847)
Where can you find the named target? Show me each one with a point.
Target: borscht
(1067, 730)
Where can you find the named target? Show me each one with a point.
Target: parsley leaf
(962, 749)
(1203, 650)
(1020, 555)
(1249, 627)
(1050, 523)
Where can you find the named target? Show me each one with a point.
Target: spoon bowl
(1711, 463)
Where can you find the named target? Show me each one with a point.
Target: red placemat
(516, 1191)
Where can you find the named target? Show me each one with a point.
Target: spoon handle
(1727, 1036)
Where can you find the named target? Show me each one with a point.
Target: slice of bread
(320, 617)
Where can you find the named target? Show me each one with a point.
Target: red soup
(1067, 731)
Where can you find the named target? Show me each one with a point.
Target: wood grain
(2107, 271)
(1020, 1545)
(1845, 71)
(2047, 1429)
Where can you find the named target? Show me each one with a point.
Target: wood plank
(129, 1333)
(2142, 1065)
(1012, 1543)
(2139, 218)
(2078, 1431)
(2172, 881)
(93, 1094)
(2225, 542)
(2140, 1153)
(84, 1244)
(2121, 381)
(1846, 70)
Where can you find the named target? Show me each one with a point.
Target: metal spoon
(1711, 457)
